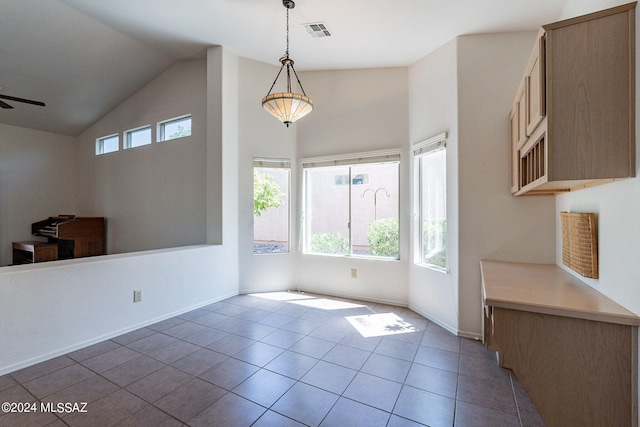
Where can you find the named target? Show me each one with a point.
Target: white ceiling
(84, 57)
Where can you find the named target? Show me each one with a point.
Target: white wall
(493, 224)
(152, 196)
(573, 8)
(356, 111)
(261, 135)
(433, 109)
(50, 309)
(466, 88)
(222, 156)
(38, 179)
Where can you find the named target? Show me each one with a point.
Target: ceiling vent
(317, 29)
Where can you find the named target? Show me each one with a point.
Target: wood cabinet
(574, 350)
(534, 86)
(33, 251)
(573, 118)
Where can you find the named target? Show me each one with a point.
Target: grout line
(239, 316)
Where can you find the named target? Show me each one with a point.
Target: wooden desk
(574, 350)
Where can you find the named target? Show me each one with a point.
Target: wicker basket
(579, 246)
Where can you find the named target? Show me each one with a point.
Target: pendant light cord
(288, 64)
(287, 52)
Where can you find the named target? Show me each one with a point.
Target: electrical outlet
(354, 273)
(137, 295)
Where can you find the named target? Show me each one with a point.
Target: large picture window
(271, 211)
(431, 166)
(351, 205)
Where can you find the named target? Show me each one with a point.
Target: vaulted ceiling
(84, 57)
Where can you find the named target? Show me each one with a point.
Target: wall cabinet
(573, 119)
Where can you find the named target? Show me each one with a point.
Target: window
(271, 212)
(107, 144)
(351, 205)
(174, 128)
(359, 179)
(137, 137)
(430, 158)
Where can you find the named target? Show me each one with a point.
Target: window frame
(100, 144)
(421, 150)
(126, 139)
(271, 163)
(160, 127)
(350, 161)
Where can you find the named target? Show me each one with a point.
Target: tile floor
(281, 359)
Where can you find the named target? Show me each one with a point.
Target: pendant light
(287, 106)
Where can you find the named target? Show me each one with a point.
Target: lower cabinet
(574, 351)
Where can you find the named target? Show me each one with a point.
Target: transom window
(174, 128)
(351, 205)
(137, 137)
(107, 144)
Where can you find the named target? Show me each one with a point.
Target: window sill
(432, 267)
(364, 257)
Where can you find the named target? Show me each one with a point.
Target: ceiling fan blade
(26, 101)
(5, 105)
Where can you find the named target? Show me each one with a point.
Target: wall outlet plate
(354, 273)
(137, 295)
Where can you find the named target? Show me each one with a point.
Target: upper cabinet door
(514, 119)
(534, 86)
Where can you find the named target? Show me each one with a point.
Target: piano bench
(34, 251)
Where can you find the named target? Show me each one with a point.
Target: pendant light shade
(287, 106)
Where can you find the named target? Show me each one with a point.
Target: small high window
(174, 128)
(137, 137)
(107, 144)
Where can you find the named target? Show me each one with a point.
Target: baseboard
(437, 321)
(262, 291)
(470, 335)
(60, 352)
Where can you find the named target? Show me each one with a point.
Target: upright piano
(67, 236)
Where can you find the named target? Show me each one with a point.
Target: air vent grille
(317, 29)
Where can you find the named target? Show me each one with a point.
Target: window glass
(138, 137)
(174, 128)
(271, 209)
(433, 208)
(353, 210)
(374, 210)
(327, 211)
(107, 144)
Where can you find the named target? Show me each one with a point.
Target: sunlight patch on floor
(281, 296)
(376, 325)
(327, 304)
(308, 300)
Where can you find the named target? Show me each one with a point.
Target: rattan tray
(579, 245)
